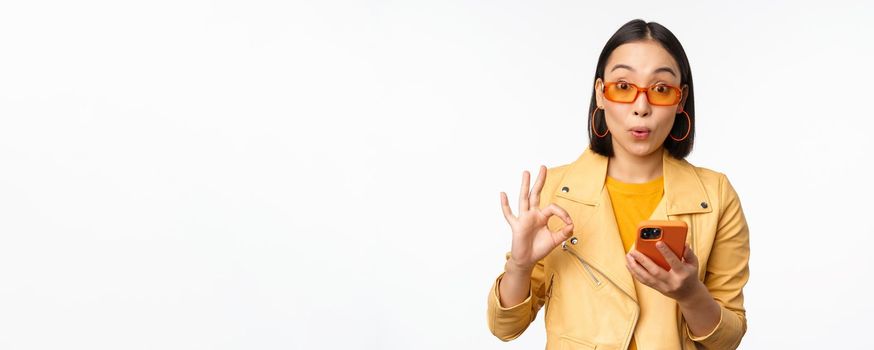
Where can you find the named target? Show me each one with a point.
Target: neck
(633, 168)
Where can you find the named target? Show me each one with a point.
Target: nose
(641, 106)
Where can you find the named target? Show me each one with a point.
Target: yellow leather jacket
(591, 299)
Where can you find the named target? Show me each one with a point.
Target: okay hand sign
(532, 240)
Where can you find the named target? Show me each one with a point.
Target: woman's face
(641, 63)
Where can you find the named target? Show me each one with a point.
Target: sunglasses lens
(661, 95)
(620, 92)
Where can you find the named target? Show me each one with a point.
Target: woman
(573, 238)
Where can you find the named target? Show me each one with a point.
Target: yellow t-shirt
(633, 203)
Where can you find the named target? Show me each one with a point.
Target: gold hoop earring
(689, 129)
(593, 124)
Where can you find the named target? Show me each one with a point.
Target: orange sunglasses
(657, 94)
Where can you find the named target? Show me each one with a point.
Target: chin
(639, 149)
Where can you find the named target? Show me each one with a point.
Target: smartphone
(673, 233)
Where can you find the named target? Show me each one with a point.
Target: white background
(325, 175)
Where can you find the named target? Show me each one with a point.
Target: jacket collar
(684, 191)
(598, 242)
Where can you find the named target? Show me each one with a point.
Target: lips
(640, 132)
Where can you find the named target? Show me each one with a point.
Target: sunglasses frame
(645, 90)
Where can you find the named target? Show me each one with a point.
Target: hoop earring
(594, 130)
(689, 119)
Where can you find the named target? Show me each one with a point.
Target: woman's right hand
(532, 240)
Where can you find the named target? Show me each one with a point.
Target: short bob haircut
(638, 30)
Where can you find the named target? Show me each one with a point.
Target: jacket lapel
(598, 237)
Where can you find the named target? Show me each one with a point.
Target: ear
(599, 92)
(682, 106)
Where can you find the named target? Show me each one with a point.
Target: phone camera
(650, 233)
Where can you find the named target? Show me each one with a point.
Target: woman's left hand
(680, 283)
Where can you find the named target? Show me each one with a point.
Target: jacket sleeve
(728, 272)
(508, 322)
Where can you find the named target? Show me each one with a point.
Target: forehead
(645, 58)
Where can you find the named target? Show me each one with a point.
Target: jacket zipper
(592, 275)
(598, 282)
(549, 292)
(585, 266)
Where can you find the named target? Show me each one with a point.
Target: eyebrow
(660, 69)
